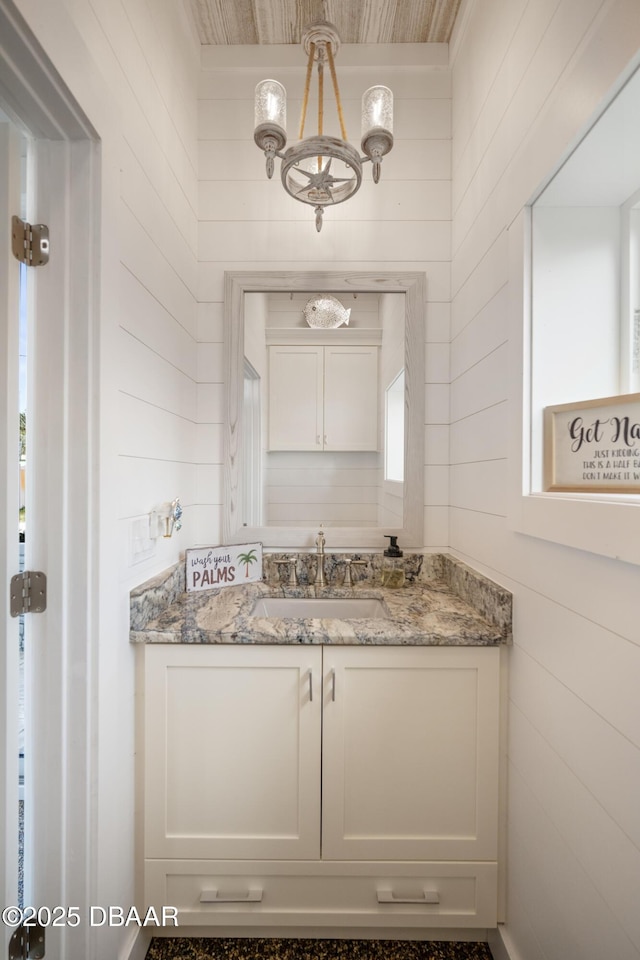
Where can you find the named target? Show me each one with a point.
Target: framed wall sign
(235, 565)
(593, 446)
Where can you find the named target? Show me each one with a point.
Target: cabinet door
(232, 751)
(295, 398)
(410, 753)
(351, 398)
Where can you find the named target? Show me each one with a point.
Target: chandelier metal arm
(376, 144)
(271, 140)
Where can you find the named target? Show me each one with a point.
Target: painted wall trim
(136, 945)
(498, 945)
(290, 55)
(31, 86)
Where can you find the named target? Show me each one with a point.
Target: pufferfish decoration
(326, 312)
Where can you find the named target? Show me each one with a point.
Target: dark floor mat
(202, 948)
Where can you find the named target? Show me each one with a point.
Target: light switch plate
(142, 545)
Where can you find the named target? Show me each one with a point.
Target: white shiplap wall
(249, 223)
(527, 76)
(158, 375)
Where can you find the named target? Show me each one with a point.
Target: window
(585, 271)
(574, 272)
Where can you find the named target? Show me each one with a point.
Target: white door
(232, 751)
(9, 516)
(410, 753)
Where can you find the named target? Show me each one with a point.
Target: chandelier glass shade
(322, 170)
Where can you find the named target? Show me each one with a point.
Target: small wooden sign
(593, 446)
(208, 567)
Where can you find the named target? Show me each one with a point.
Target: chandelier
(322, 170)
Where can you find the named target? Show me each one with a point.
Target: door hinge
(27, 943)
(28, 593)
(30, 242)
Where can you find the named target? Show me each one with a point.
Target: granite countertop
(447, 603)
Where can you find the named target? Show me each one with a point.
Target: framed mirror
(325, 423)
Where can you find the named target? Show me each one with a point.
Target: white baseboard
(501, 946)
(136, 946)
(470, 934)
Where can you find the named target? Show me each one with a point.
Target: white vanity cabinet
(232, 751)
(410, 753)
(323, 397)
(304, 787)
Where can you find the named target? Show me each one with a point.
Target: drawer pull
(428, 896)
(212, 896)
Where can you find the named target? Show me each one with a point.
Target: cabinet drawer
(314, 893)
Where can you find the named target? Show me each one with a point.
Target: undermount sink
(331, 608)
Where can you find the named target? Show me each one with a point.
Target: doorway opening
(48, 486)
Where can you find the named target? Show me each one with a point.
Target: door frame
(63, 501)
(9, 506)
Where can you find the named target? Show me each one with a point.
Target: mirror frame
(413, 285)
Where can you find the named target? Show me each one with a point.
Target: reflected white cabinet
(305, 786)
(323, 397)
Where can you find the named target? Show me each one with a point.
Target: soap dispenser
(392, 565)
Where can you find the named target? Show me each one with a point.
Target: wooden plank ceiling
(358, 21)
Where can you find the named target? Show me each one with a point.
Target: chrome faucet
(321, 580)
